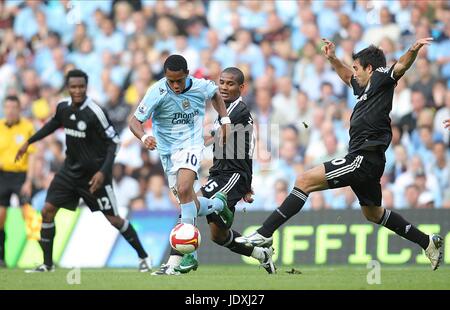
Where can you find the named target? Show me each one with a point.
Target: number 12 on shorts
(104, 203)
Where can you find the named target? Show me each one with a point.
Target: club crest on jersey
(81, 126)
(186, 104)
(161, 91)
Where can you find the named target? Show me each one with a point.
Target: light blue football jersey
(177, 119)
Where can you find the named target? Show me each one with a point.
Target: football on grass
(185, 238)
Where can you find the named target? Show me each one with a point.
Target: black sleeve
(245, 123)
(108, 134)
(241, 115)
(247, 118)
(383, 76)
(49, 127)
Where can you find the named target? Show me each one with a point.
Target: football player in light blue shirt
(176, 105)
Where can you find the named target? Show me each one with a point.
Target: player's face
(362, 76)
(229, 88)
(176, 80)
(12, 111)
(77, 89)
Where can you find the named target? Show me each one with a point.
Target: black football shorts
(361, 171)
(65, 192)
(232, 184)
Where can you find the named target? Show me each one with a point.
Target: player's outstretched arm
(46, 130)
(138, 130)
(344, 72)
(405, 62)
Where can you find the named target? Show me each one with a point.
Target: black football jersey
(91, 139)
(370, 124)
(236, 156)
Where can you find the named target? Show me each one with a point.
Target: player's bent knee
(48, 213)
(115, 221)
(218, 239)
(218, 235)
(312, 180)
(304, 183)
(373, 214)
(184, 192)
(372, 219)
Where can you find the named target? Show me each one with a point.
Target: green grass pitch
(214, 277)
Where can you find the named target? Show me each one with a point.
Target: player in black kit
(370, 135)
(92, 143)
(231, 174)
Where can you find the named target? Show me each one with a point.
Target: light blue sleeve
(149, 103)
(210, 88)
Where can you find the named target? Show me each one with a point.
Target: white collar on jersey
(84, 105)
(367, 87)
(233, 105)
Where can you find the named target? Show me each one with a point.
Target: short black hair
(175, 63)
(371, 55)
(237, 73)
(13, 98)
(76, 73)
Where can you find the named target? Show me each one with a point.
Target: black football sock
(290, 206)
(2, 245)
(400, 226)
(48, 232)
(175, 252)
(131, 236)
(174, 258)
(236, 247)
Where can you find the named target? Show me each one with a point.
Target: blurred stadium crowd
(123, 44)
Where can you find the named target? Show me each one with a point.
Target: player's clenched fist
(149, 142)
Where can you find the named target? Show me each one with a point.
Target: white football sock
(174, 260)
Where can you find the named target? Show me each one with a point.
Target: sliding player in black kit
(92, 143)
(370, 135)
(231, 174)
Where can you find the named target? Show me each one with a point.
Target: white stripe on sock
(47, 225)
(299, 194)
(124, 228)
